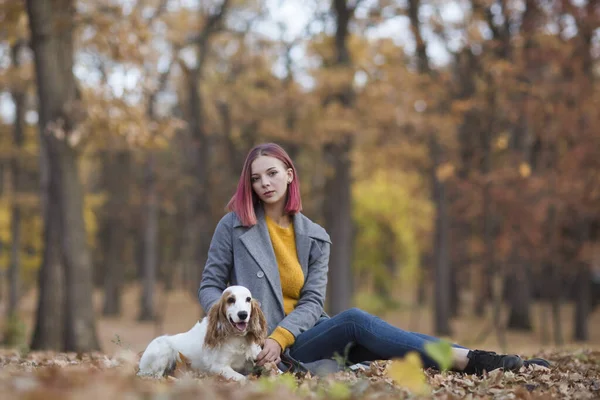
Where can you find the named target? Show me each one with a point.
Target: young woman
(266, 244)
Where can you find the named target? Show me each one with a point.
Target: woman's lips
(269, 194)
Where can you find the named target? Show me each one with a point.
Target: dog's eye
(248, 299)
(231, 300)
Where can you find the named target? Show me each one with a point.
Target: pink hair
(244, 199)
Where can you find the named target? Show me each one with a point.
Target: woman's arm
(217, 270)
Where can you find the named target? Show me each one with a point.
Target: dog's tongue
(241, 326)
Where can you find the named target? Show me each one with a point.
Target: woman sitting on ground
(266, 244)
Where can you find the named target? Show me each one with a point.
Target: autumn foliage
(68, 375)
(450, 148)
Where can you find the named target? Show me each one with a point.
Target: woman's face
(270, 179)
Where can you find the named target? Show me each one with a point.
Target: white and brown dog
(226, 342)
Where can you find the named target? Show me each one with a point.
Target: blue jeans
(362, 337)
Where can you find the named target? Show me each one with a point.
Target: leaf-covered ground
(574, 375)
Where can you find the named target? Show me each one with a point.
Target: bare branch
(354, 6)
(213, 25)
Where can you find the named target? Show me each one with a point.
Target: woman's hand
(271, 352)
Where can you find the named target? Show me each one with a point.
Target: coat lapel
(302, 243)
(258, 243)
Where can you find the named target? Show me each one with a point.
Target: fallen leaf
(408, 373)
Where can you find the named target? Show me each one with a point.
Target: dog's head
(235, 314)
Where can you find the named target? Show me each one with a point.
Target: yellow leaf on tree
(444, 171)
(524, 170)
(502, 142)
(408, 373)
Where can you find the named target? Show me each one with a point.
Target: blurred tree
(115, 221)
(337, 152)
(442, 267)
(19, 96)
(152, 201)
(197, 150)
(18, 190)
(60, 112)
(587, 22)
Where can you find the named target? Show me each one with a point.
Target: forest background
(450, 148)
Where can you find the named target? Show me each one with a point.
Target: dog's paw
(235, 378)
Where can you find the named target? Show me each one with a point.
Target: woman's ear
(290, 175)
(257, 328)
(215, 332)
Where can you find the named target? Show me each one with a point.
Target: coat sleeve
(217, 270)
(312, 296)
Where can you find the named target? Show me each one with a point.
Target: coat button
(260, 274)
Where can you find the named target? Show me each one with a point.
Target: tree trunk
(198, 231)
(117, 174)
(557, 321)
(441, 257)
(81, 327)
(49, 331)
(49, 328)
(15, 261)
(147, 311)
(455, 287)
(168, 265)
(337, 203)
(583, 303)
(441, 246)
(337, 207)
(519, 298)
(488, 269)
(583, 299)
(19, 97)
(195, 247)
(544, 324)
(51, 25)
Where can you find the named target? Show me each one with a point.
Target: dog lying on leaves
(226, 341)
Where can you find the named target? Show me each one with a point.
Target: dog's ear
(217, 324)
(257, 328)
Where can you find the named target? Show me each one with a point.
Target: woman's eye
(272, 173)
(253, 180)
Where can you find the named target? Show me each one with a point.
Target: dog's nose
(243, 315)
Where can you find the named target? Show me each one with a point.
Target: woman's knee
(356, 315)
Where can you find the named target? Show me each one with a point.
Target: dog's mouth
(240, 326)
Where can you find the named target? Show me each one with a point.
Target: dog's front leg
(229, 373)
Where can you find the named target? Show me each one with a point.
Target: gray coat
(239, 255)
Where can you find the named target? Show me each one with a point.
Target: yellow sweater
(290, 274)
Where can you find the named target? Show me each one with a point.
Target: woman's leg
(372, 338)
(434, 339)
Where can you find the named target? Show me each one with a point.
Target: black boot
(537, 361)
(480, 361)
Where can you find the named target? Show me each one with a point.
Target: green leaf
(441, 352)
(339, 391)
(271, 383)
